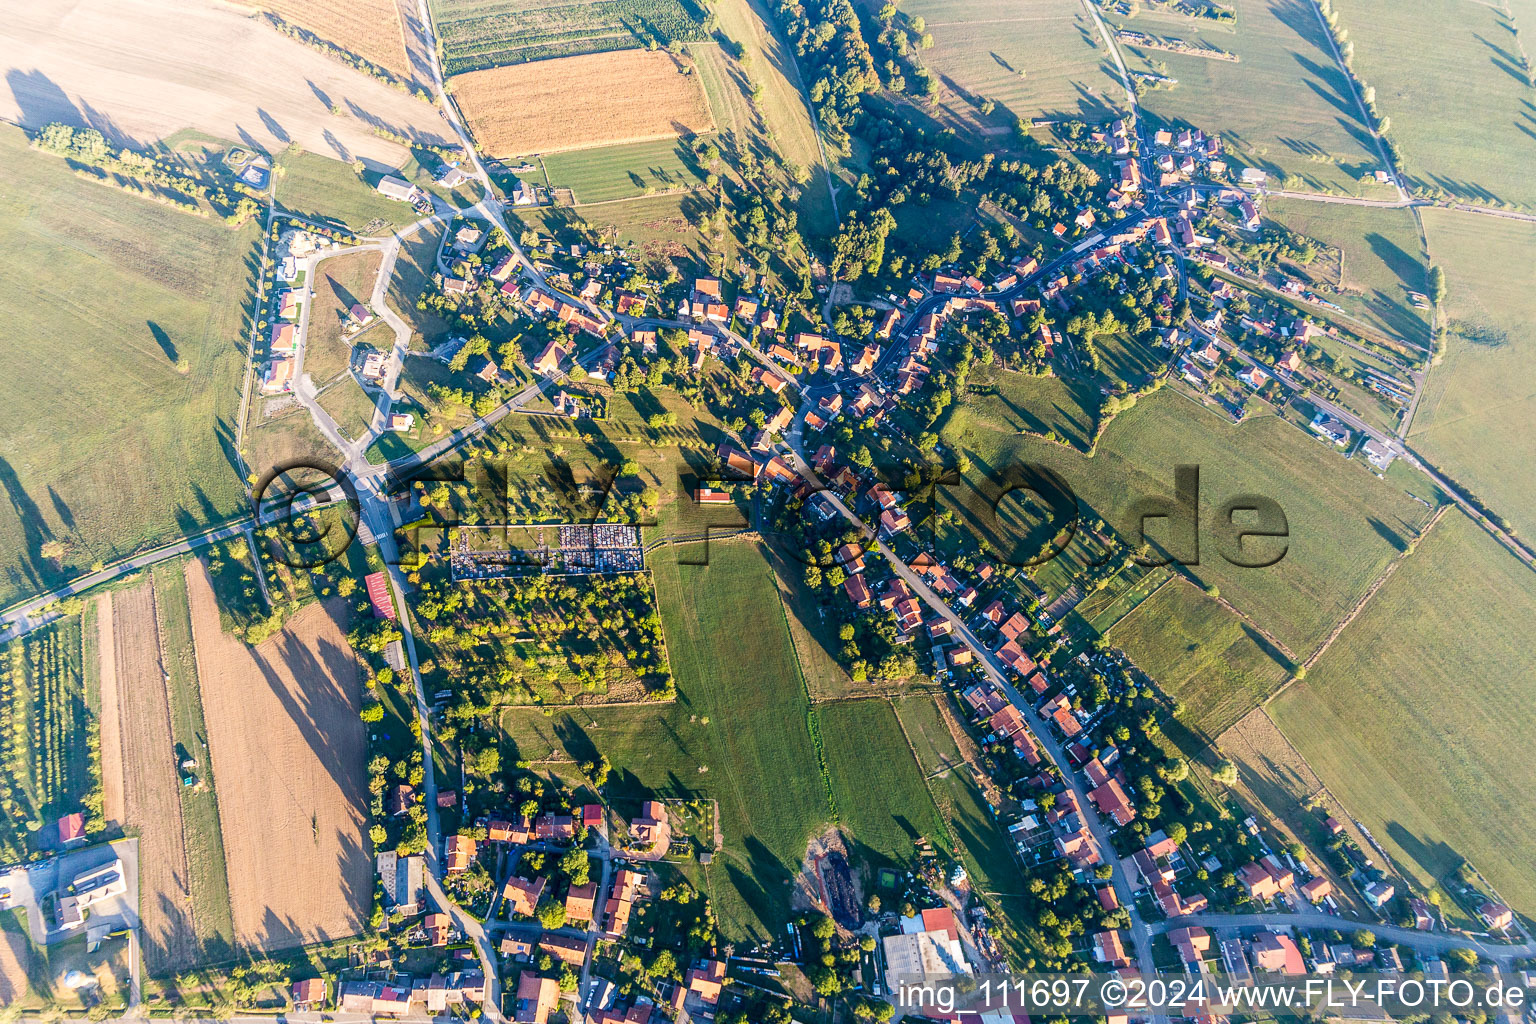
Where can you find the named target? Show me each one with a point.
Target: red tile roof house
(1497, 916)
(535, 997)
(522, 896)
(1273, 952)
(1260, 884)
(458, 853)
(564, 948)
(548, 361)
(1109, 949)
(71, 829)
(651, 826)
(1111, 800)
(309, 994)
(378, 596)
(579, 901)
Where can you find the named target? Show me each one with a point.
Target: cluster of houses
(287, 303)
(399, 995)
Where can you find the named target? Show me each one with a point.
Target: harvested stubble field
(1474, 415)
(1285, 107)
(479, 34)
(1417, 717)
(151, 789)
(369, 28)
(600, 99)
(287, 747)
(84, 62)
(111, 716)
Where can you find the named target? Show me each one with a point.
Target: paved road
(32, 614)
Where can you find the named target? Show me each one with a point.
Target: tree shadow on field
(40, 100)
(1386, 533)
(764, 885)
(277, 131)
(162, 339)
(322, 700)
(34, 530)
(1435, 857)
(61, 509)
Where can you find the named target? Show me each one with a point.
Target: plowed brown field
(14, 955)
(151, 789)
(287, 747)
(599, 99)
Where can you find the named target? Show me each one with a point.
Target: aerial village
(573, 901)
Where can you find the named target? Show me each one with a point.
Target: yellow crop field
(368, 28)
(598, 99)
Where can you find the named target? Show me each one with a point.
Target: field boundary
(1365, 598)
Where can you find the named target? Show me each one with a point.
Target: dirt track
(151, 790)
(111, 720)
(287, 748)
(141, 70)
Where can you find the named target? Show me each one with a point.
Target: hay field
(981, 46)
(1461, 107)
(784, 112)
(604, 173)
(1345, 524)
(323, 189)
(1382, 260)
(287, 749)
(1285, 107)
(877, 782)
(1473, 418)
(1201, 654)
(1418, 717)
(339, 283)
(109, 447)
(369, 28)
(84, 62)
(151, 789)
(599, 99)
(738, 733)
